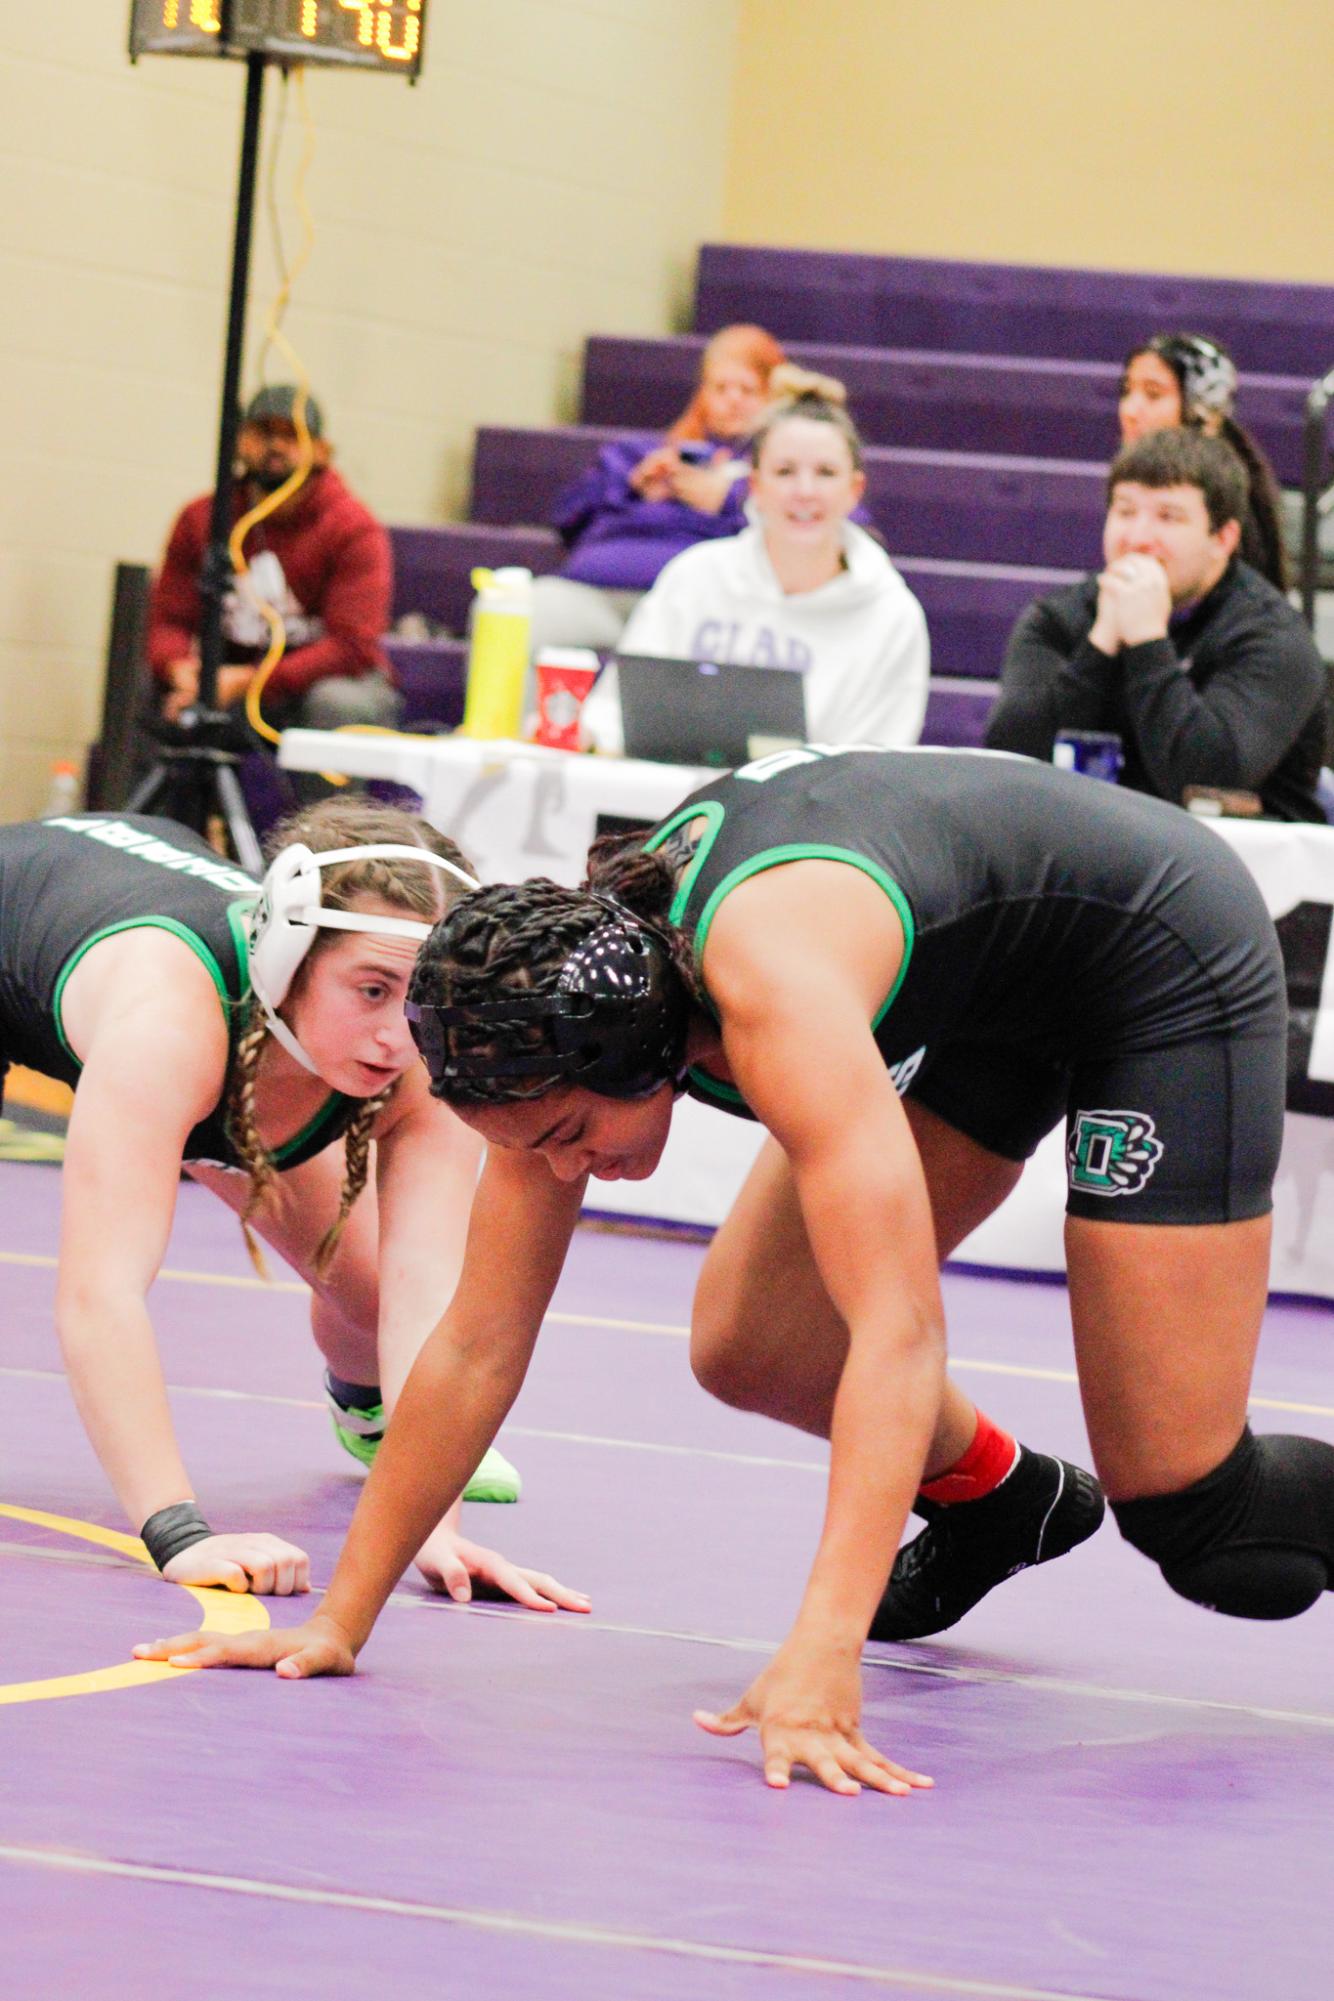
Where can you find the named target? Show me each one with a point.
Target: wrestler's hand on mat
(264, 1564)
(807, 1708)
(319, 1647)
(462, 1569)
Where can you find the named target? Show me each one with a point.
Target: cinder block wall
(551, 173)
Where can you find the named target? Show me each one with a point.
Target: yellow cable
(271, 502)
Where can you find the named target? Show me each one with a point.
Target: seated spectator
(802, 587)
(1202, 668)
(322, 561)
(643, 501)
(1185, 380)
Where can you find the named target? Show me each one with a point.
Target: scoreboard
(381, 35)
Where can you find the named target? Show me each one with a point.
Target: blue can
(1097, 753)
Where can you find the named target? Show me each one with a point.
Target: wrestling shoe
(360, 1427)
(1042, 1509)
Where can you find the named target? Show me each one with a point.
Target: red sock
(992, 1455)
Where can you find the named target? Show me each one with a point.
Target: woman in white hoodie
(801, 587)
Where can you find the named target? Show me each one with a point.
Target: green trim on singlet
(239, 912)
(177, 930)
(714, 1087)
(814, 851)
(327, 1112)
(711, 811)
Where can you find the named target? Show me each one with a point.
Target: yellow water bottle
(502, 617)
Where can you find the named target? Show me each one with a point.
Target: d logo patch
(1111, 1153)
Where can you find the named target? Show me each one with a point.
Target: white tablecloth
(519, 810)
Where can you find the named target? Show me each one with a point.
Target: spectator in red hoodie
(322, 561)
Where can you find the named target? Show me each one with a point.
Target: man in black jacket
(1202, 668)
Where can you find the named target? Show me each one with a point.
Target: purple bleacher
(1015, 309)
(970, 607)
(957, 711)
(982, 507)
(935, 401)
(517, 473)
(430, 674)
(433, 566)
(969, 506)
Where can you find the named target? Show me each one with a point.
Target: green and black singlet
(1070, 949)
(67, 883)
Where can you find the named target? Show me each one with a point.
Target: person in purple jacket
(642, 502)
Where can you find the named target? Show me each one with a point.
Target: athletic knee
(717, 1359)
(714, 1369)
(1254, 1538)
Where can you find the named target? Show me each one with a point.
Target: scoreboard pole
(194, 777)
(216, 577)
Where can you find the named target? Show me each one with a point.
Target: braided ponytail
(416, 890)
(243, 1126)
(357, 1153)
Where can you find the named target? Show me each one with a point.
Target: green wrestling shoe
(360, 1427)
(494, 1480)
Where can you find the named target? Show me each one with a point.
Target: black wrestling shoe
(1042, 1509)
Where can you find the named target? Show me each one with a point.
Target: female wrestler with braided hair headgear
(258, 1042)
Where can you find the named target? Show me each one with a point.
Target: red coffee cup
(565, 675)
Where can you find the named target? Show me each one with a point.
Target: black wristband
(171, 1530)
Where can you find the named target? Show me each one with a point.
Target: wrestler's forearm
(450, 1410)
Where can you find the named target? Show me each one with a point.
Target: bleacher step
(931, 400)
(1016, 309)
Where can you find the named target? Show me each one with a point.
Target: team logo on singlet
(902, 1073)
(1112, 1153)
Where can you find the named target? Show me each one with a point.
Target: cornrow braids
(644, 880)
(517, 937)
(511, 937)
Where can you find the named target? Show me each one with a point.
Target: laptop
(707, 712)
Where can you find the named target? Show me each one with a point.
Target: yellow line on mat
(224, 1611)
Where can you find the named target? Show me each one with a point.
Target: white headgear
(289, 912)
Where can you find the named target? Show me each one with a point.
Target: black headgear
(615, 1021)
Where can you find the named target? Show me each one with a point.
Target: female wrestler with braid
(125, 970)
(909, 966)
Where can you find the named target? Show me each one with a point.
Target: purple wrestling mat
(1132, 1797)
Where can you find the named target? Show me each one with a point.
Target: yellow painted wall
(1173, 135)
(551, 175)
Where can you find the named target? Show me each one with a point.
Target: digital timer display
(382, 35)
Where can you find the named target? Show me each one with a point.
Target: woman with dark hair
(1187, 380)
(908, 966)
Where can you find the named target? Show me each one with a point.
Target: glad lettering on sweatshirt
(738, 645)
